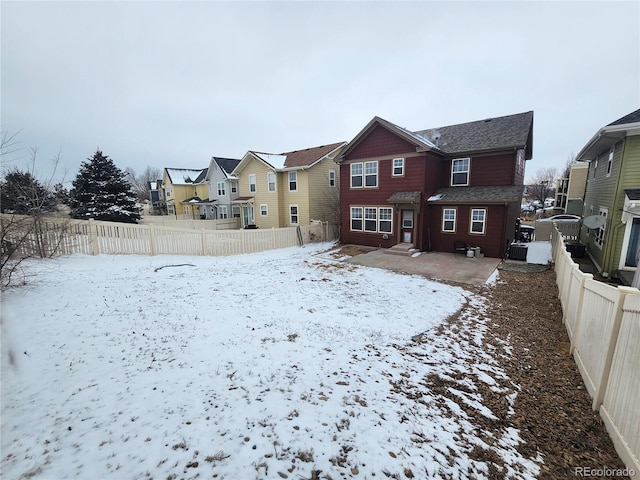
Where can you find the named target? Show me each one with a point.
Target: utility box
(518, 251)
(576, 249)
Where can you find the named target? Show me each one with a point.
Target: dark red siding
(380, 142)
(493, 243)
(491, 170)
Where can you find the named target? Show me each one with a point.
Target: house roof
(479, 195)
(186, 176)
(405, 197)
(632, 193)
(499, 133)
(491, 134)
(226, 164)
(293, 160)
(633, 117)
(610, 135)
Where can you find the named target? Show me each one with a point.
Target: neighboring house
(186, 192)
(288, 189)
(431, 188)
(570, 191)
(156, 197)
(613, 192)
(223, 188)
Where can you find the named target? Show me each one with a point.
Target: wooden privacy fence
(569, 230)
(603, 323)
(95, 237)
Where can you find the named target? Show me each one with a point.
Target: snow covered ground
(273, 365)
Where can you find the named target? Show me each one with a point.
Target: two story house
(433, 188)
(288, 189)
(613, 192)
(185, 192)
(223, 188)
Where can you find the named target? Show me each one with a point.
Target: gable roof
(297, 159)
(499, 133)
(227, 165)
(610, 135)
(491, 134)
(186, 176)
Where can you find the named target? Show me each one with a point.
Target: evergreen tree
(100, 191)
(22, 193)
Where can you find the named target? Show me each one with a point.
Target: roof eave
(605, 137)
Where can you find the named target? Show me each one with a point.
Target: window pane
(356, 181)
(356, 224)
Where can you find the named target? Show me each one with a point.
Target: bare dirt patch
(552, 409)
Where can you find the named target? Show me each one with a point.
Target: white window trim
(223, 212)
(222, 192)
(374, 219)
(390, 220)
(467, 171)
(365, 175)
(234, 186)
(612, 151)
(602, 231)
(264, 212)
(289, 181)
(361, 218)
(361, 175)
(332, 178)
(269, 183)
(252, 183)
(297, 214)
(393, 167)
(454, 220)
(484, 221)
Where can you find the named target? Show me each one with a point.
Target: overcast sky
(170, 84)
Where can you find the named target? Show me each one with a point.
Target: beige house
(570, 191)
(185, 190)
(289, 189)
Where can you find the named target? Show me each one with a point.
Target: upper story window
(252, 182)
(234, 187)
(221, 189)
(293, 182)
(398, 167)
(595, 167)
(460, 171)
(610, 162)
(332, 178)
(371, 174)
(356, 175)
(520, 164)
(478, 220)
(271, 180)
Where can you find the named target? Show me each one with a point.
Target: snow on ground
(272, 365)
(539, 253)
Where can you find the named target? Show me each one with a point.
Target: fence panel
(574, 303)
(619, 409)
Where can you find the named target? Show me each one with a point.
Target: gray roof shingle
(632, 193)
(499, 194)
(511, 131)
(632, 117)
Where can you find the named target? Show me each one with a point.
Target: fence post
(152, 240)
(598, 396)
(243, 232)
(94, 248)
(576, 327)
(203, 236)
(273, 238)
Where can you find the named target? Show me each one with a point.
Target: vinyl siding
(300, 197)
(324, 201)
(261, 195)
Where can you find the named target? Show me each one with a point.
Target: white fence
(95, 237)
(603, 323)
(184, 222)
(569, 230)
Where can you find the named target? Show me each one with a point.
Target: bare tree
(141, 183)
(542, 184)
(571, 159)
(24, 235)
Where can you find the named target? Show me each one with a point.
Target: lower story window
(235, 211)
(264, 210)
(293, 211)
(448, 219)
(222, 211)
(372, 219)
(478, 220)
(599, 240)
